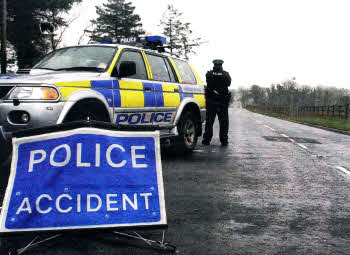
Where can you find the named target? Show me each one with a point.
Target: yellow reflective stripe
(200, 100)
(67, 88)
(148, 66)
(171, 99)
(170, 87)
(134, 85)
(176, 71)
(199, 81)
(110, 70)
(132, 98)
(66, 92)
(82, 84)
(131, 94)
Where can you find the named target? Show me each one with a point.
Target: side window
(185, 71)
(159, 68)
(141, 72)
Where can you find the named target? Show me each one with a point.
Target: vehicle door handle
(148, 89)
(176, 90)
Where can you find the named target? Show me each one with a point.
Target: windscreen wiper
(44, 68)
(81, 68)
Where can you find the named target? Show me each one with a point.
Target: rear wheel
(188, 131)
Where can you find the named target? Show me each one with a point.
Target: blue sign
(84, 178)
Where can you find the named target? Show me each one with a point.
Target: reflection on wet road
(278, 188)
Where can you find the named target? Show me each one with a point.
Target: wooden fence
(334, 111)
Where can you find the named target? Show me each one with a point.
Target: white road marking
(343, 170)
(199, 151)
(284, 135)
(269, 128)
(302, 146)
(292, 140)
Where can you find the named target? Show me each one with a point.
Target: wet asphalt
(278, 188)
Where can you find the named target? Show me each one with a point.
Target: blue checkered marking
(184, 95)
(104, 87)
(103, 84)
(150, 100)
(158, 94)
(153, 98)
(116, 94)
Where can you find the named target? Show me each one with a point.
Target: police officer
(217, 100)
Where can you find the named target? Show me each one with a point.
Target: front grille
(4, 90)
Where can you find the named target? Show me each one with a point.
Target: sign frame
(16, 142)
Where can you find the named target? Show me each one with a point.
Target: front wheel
(188, 131)
(87, 111)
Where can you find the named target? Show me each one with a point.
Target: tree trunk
(4, 37)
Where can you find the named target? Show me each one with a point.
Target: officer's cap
(218, 62)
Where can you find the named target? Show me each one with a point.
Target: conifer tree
(24, 35)
(116, 19)
(182, 41)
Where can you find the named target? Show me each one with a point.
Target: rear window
(185, 71)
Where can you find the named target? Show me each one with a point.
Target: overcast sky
(261, 41)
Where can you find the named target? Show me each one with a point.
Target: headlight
(34, 93)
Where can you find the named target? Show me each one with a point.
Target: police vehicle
(116, 83)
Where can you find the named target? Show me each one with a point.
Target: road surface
(278, 188)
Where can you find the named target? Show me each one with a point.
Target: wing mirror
(126, 69)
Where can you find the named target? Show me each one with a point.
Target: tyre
(87, 111)
(188, 131)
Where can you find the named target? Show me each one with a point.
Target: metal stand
(130, 238)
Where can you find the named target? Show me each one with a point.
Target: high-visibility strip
(132, 98)
(148, 66)
(131, 94)
(199, 81)
(171, 98)
(81, 84)
(110, 70)
(183, 94)
(170, 87)
(103, 84)
(116, 94)
(176, 71)
(134, 85)
(67, 88)
(200, 100)
(66, 91)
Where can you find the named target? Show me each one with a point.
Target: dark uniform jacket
(218, 82)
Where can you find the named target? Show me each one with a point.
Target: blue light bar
(156, 39)
(107, 41)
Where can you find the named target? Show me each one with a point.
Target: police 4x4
(113, 83)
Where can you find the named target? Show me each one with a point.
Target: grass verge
(328, 122)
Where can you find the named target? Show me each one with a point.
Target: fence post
(327, 111)
(346, 111)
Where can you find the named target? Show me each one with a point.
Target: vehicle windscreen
(83, 58)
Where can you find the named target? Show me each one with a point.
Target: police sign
(84, 178)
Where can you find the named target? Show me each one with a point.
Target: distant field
(340, 124)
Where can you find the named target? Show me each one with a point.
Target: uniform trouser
(222, 111)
